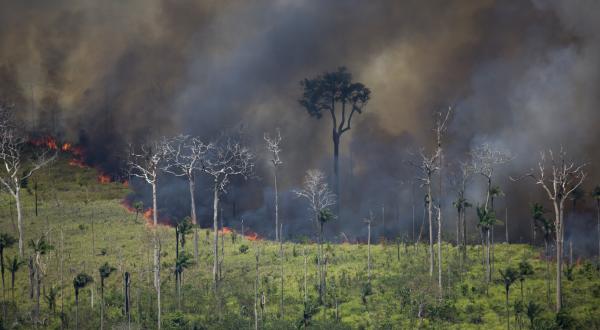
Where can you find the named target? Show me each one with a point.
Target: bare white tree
(559, 177)
(225, 159)
(485, 159)
(428, 166)
(145, 162)
(183, 157)
(320, 198)
(17, 163)
(273, 145)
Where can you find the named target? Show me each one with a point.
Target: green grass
(87, 226)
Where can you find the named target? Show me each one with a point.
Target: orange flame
(66, 147)
(225, 230)
(252, 236)
(46, 141)
(104, 179)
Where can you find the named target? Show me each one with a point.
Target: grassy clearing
(88, 226)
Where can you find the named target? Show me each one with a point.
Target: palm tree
(6, 241)
(40, 247)
(525, 269)
(105, 271)
(533, 311)
(509, 276)
(13, 267)
(183, 262)
(325, 216)
(548, 230)
(487, 219)
(184, 227)
(50, 298)
(596, 197)
(79, 282)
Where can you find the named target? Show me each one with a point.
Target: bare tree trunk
(336, 170)
(17, 196)
(559, 256)
(429, 201)
(506, 225)
(369, 252)
(158, 298)
(547, 271)
(101, 303)
(193, 215)
(487, 258)
(282, 261)
(598, 224)
(256, 281)
(215, 234)
(439, 241)
(305, 276)
(277, 229)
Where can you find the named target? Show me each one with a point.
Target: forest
(299, 164)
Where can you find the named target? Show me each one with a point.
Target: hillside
(85, 222)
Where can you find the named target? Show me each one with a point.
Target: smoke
(521, 75)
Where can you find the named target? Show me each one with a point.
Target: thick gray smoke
(521, 75)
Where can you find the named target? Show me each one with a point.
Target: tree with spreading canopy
(335, 93)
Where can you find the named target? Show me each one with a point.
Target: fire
(252, 236)
(249, 235)
(66, 147)
(45, 141)
(148, 214)
(104, 179)
(225, 230)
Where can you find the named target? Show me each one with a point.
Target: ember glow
(104, 179)
(45, 141)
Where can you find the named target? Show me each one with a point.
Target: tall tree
(428, 165)
(273, 145)
(559, 177)
(183, 262)
(509, 276)
(6, 241)
(18, 161)
(40, 247)
(79, 282)
(320, 198)
(546, 226)
(145, 162)
(225, 159)
(184, 156)
(105, 270)
(485, 159)
(596, 197)
(335, 93)
(525, 269)
(14, 264)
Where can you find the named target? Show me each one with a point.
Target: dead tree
(316, 191)
(184, 155)
(485, 159)
(428, 166)
(336, 94)
(273, 145)
(225, 159)
(145, 162)
(369, 222)
(558, 177)
(17, 163)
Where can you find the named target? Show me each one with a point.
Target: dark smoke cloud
(521, 75)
